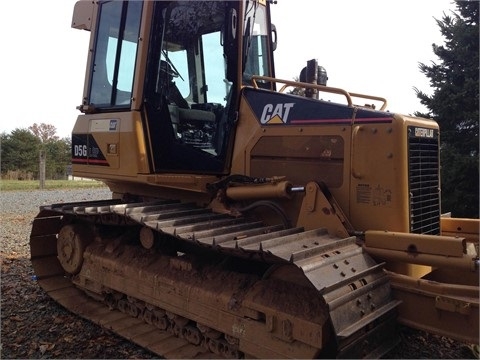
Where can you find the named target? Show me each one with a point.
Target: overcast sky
(367, 46)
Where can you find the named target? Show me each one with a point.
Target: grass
(11, 185)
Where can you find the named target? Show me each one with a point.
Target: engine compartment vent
(424, 180)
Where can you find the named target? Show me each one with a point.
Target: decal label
(104, 125)
(276, 113)
(113, 125)
(80, 151)
(272, 108)
(424, 133)
(86, 151)
(374, 195)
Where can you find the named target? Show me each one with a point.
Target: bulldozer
(249, 217)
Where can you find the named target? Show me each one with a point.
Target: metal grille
(424, 184)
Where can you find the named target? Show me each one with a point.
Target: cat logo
(424, 133)
(276, 114)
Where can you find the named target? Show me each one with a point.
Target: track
(361, 311)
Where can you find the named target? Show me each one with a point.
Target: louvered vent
(424, 184)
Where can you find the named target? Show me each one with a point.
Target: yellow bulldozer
(248, 217)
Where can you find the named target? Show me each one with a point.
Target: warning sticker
(376, 195)
(364, 194)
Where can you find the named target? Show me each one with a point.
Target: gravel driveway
(33, 326)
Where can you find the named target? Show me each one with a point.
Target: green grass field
(11, 185)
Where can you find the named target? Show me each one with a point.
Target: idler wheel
(71, 243)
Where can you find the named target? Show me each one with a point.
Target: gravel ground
(33, 326)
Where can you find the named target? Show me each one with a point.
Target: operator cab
(189, 69)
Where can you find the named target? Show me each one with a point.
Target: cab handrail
(321, 88)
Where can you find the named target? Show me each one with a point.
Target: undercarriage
(185, 282)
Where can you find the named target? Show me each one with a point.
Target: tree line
(20, 153)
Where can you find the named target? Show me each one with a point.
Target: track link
(356, 289)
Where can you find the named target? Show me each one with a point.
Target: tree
(454, 104)
(45, 132)
(57, 151)
(19, 151)
(58, 155)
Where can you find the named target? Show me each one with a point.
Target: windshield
(192, 48)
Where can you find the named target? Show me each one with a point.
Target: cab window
(115, 54)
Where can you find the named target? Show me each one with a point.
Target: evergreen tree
(20, 151)
(454, 104)
(58, 155)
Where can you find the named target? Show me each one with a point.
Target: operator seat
(172, 93)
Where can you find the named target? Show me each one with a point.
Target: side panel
(389, 190)
(302, 139)
(108, 146)
(378, 176)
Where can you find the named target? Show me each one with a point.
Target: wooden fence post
(42, 169)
